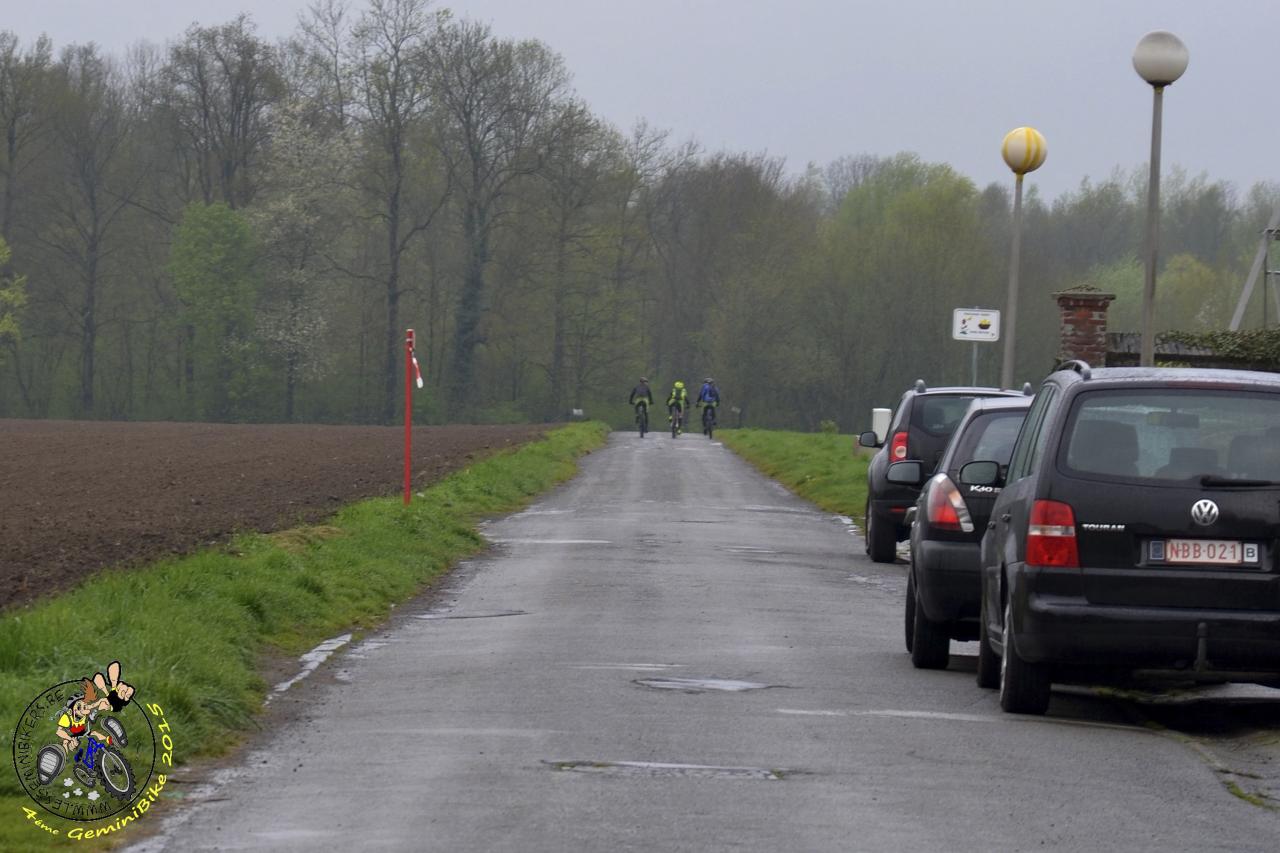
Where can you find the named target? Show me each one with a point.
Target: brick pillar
(1083, 331)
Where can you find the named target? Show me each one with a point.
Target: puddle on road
(638, 667)
(682, 771)
(701, 685)
(550, 541)
(496, 615)
(786, 510)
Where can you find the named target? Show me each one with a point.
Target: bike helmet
(709, 381)
(679, 384)
(644, 381)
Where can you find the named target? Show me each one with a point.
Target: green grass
(192, 633)
(820, 467)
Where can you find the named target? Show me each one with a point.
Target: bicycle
(677, 420)
(708, 420)
(642, 417)
(95, 759)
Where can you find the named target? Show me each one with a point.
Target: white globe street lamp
(1024, 150)
(1160, 58)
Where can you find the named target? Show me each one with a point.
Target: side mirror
(868, 439)
(982, 474)
(909, 517)
(907, 473)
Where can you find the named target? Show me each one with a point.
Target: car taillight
(947, 509)
(898, 449)
(1051, 536)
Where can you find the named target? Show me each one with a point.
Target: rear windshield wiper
(1213, 481)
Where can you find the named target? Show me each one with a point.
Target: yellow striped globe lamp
(1024, 150)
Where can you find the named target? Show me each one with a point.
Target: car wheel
(930, 642)
(909, 617)
(1024, 687)
(988, 660)
(882, 544)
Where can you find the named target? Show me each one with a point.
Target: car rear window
(989, 437)
(939, 415)
(1174, 435)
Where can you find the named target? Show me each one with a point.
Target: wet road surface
(673, 653)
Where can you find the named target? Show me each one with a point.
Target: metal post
(1010, 319)
(408, 415)
(1147, 358)
(1275, 291)
(974, 381)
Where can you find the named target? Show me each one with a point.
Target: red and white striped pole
(409, 364)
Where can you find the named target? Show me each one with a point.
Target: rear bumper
(892, 510)
(1063, 629)
(948, 581)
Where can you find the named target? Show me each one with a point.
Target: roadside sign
(975, 324)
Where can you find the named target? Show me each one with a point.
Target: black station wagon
(1137, 529)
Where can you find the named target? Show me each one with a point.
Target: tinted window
(939, 415)
(1174, 435)
(897, 416)
(1030, 445)
(989, 438)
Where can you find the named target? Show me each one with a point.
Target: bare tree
(23, 87)
(325, 30)
(222, 83)
(91, 126)
(499, 101)
(392, 96)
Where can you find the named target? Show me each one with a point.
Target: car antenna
(920, 388)
(1027, 390)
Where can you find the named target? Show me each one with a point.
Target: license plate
(1211, 552)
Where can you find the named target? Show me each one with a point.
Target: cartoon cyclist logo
(83, 749)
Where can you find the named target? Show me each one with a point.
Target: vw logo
(1204, 512)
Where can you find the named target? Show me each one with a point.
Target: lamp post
(1024, 150)
(1160, 58)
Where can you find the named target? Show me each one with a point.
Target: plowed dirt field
(78, 496)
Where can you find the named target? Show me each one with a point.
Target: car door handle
(1005, 517)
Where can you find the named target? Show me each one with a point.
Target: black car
(920, 428)
(1138, 530)
(948, 520)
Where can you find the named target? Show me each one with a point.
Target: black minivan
(1138, 529)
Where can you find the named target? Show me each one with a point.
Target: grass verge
(191, 633)
(820, 467)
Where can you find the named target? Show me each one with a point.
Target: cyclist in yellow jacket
(677, 400)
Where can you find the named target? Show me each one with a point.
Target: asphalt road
(673, 653)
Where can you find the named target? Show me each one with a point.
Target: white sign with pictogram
(975, 324)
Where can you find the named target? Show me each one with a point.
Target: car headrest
(1193, 460)
(1106, 442)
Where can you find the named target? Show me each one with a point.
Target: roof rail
(1081, 367)
(920, 387)
(1027, 390)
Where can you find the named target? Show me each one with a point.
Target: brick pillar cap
(1090, 296)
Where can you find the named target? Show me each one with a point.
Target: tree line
(229, 229)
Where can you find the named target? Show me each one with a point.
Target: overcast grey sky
(810, 80)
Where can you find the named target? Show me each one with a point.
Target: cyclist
(677, 400)
(641, 399)
(641, 394)
(709, 396)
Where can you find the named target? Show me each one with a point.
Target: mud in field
(78, 496)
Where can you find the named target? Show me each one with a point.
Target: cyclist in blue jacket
(709, 396)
